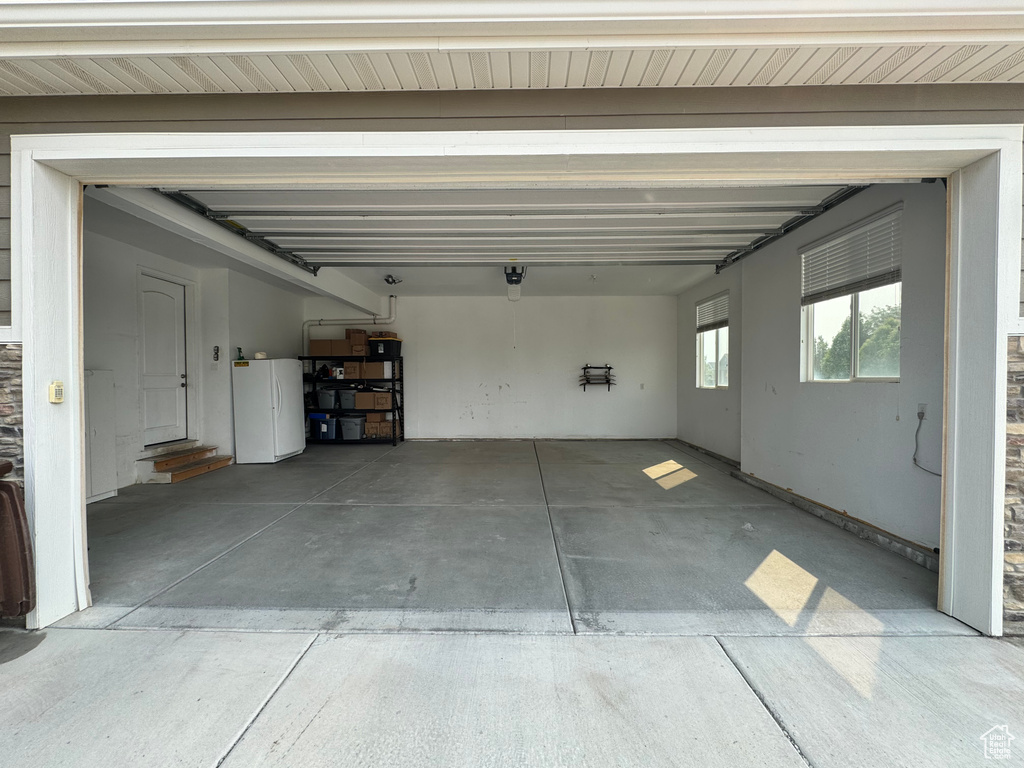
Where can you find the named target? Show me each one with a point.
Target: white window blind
(865, 255)
(713, 313)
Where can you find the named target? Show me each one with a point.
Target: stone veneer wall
(12, 443)
(1013, 536)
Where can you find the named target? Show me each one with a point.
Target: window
(851, 297)
(713, 342)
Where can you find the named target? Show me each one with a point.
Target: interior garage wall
(263, 318)
(710, 418)
(232, 310)
(486, 367)
(848, 445)
(111, 337)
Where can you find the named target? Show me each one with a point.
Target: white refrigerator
(270, 420)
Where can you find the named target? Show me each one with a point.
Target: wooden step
(168, 461)
(161, 449)
(201, 467)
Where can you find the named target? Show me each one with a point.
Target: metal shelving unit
(392, 385)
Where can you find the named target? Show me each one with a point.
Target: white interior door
(164, 375)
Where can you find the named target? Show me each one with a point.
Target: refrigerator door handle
(276, 403)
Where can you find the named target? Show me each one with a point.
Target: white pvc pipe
(372, 319)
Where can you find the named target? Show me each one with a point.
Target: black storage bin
(385, 347)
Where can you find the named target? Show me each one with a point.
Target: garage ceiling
(476, 227)
(578, 242)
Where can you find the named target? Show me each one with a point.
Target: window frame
(699, 361)
(849, 285)
(807, 324)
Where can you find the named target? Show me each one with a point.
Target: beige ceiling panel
(977, 63)
(763, 64)
(519, 62)
(215, 73)
(327, 71)
(102, 72)
(937, 67)
(677, 63)
(422, 70)
(620, 64)
(733, 66)
(539, 61)
(366, 71)
(578, 63)
(1007, 60)
(381, 63)
(695, 66)
(403, 69)
(597, 68)
(462, 69)
(170, 76)
(501, 69)
(654, 70)
(794, 64)
(343, 66)
(149, 79)
(10, 86)
(881, 66)
(922, 61)
(850, 60)
(149, 69)
(50, 77)
(558, 68)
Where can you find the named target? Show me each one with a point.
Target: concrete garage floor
(552, 537)
(417, 607)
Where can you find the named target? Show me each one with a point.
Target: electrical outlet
(922, 410)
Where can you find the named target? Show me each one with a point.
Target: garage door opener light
(514, 277)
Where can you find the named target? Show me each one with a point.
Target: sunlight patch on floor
(798, 598)
(783, 586)
(669, 474)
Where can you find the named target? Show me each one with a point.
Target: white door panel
(164, 408)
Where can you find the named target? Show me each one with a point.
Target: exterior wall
(12, 444)
(1013, 559)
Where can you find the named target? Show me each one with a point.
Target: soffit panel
(484, 69)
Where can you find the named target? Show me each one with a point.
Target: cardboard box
(341, 348)
(356, 335)
(320, 347)
(366, 400)
(375, 371)
(383, 335)
(360, 350)
(385, 429)
(374, 418)
(353, 370)
(372, 429)
(382, 400)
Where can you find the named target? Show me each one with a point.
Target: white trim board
(167, 27)
(983, 162)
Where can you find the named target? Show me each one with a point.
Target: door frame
(982, 162)
(191, 320)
